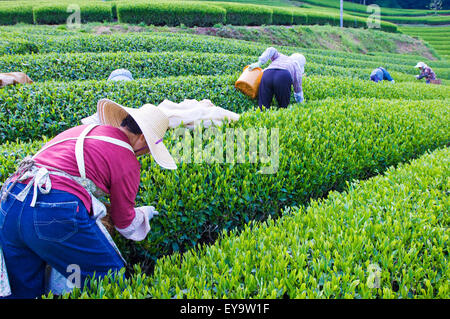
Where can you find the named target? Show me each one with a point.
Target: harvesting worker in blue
(381, 74)
(283, 73)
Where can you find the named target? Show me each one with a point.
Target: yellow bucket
(248, 82)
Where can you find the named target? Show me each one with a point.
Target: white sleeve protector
(140, 226)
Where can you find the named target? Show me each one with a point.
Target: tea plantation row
(98, 66)
(29, 42)
(438, 38)
(55, 106)
(383, 238)
(173, 13)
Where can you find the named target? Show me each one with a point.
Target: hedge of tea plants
(67, 42)
(382, 238)
(437, 37)
(91, 66)
(176, 13)
(319, 61)
(55, 106)
(172, 13)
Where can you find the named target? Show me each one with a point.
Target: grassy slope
(316, 37)
(326, 37)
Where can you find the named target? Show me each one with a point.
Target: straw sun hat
(152, 122)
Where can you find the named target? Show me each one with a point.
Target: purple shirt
(428, 74)
(283, 62)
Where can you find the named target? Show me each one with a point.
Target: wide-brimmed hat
(152, 122)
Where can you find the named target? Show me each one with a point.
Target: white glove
(140, 225)
(254, 66)
(149, 211)
(392, 81)
(299, 97)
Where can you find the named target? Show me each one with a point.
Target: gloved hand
(253, 66)
(149, 211)
(299, 97)
(392, 81)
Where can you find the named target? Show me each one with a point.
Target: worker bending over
(277, 79)
(425, 72)
(50, 208)
(381, 74)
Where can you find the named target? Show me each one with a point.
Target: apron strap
(112, 141)
(79, 151)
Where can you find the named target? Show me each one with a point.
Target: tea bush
(59, 13)
(282, 16)
(171, 13)
(98, 66)
(15, 14)
(246, 14)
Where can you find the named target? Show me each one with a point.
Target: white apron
(56, 282)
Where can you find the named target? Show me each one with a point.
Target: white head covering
(421, 65)
(120, 75)
(300, 60)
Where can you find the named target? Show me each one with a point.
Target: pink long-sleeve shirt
(114, 169)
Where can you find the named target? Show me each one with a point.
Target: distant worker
(425, 72)
(120, 75)
(277, 79)
(381, 74)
